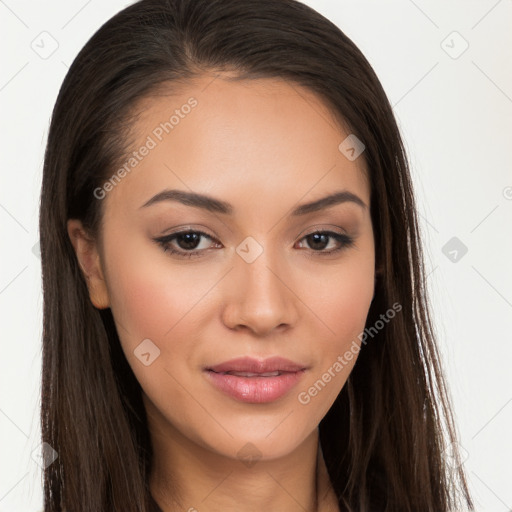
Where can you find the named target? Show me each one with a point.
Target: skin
(265, 147)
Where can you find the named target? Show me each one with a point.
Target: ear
(88, 257)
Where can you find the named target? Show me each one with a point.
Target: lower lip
(256, 390)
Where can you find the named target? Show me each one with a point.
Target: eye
(189, 240)
(319, 239)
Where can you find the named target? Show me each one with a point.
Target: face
(252, 276)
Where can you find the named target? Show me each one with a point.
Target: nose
(261, 297)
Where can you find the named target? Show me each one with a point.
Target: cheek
(343, 322)
(146, 298)
(342, 300)
(350, 310)
(140, 306)
(341, 311)
(151, 301)
(168, 304)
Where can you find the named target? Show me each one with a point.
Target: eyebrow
(217, 206)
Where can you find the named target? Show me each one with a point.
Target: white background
(455, 115)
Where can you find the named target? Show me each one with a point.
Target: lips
(250, 367)
(254, 381)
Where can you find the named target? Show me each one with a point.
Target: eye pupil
(316, 239)
(190, 238)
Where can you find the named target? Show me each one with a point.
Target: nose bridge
(260, 299)
(257, 270)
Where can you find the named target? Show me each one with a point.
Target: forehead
(264, 137)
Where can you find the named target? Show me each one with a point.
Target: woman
(206, 160)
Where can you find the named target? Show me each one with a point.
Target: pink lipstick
(255, 381)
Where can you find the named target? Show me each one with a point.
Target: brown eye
(319, 240)
(186, 242)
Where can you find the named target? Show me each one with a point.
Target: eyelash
(345, 241)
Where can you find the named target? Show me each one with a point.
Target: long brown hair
(384, 437)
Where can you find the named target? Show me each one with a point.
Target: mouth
(251, 375)
(255, 367)
(252, 381)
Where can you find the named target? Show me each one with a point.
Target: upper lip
(251, 365)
